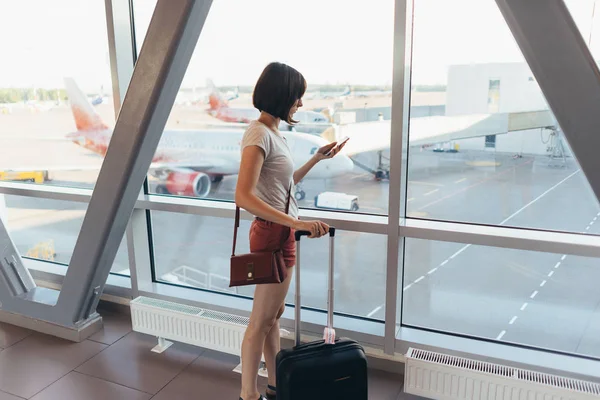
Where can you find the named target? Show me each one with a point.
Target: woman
(263, 188)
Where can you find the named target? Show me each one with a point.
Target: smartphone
(340, 143)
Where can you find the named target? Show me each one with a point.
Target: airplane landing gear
(162, 189)
(381, 175)
(381, 172)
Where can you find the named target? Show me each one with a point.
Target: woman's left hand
(330, 148)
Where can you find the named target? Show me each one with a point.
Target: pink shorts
(267, 236)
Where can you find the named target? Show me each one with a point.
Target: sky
(329, 41)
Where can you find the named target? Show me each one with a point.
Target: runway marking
(432, 271)
(557, 265)
(501, 335)
(411, 199)
(512, 321)
(591, 223)
(426, 183)
(375, 310)
(460, 251)
(587, 228)
(543, 283)
(460, 180)
(598, 215)
(534, 294)
(563, 257)
(481, 182)
(595, 218)
(519, 211)
(550, 274)
(444, 263)
(506, 219)
(524, 306)
(407, 286)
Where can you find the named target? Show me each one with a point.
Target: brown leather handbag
(260, 266)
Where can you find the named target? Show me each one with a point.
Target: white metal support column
(566, 72)
(398, 163)
(121, 48)
(123, 55)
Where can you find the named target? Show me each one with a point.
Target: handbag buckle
(250, 271)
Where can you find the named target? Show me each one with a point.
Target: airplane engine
(193, 184)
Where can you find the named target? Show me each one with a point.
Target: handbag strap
(237, 220)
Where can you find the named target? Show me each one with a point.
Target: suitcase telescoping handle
(329, 334)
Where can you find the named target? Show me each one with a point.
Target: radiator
(441, 376)
(186, 324)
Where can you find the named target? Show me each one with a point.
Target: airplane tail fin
(215, 99)
(85, 116)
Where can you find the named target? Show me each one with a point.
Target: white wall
(467, 93)
(468, 86)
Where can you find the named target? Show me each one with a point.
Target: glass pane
(48, 229)
(54, 91)
(466, 164)
(525, 297)
(194, 251)
(349, 93)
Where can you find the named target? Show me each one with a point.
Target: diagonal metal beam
(566, 72)
(164, 57)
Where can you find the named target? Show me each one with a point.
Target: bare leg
(267, 303)
(272, 347)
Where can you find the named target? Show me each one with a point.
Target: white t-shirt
(278, 168)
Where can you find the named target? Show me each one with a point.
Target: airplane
(426, 131)
(307, 120)
(189, 162)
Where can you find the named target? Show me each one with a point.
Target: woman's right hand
(316, 228)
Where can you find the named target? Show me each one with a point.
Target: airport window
(494, 96)
(57, 61)
(47, 230)
(532, 175)
(194, 251)
(56, 114)
(215, 73)
(542, 300)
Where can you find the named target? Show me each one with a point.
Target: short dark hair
(277, 89)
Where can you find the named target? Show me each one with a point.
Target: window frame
(390, 338)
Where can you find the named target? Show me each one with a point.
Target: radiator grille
(167, 305)
(444, 376)
(186, 324)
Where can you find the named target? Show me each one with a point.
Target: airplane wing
(374, 136)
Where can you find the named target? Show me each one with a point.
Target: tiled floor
(118, 364)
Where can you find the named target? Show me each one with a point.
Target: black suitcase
(320, 370)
